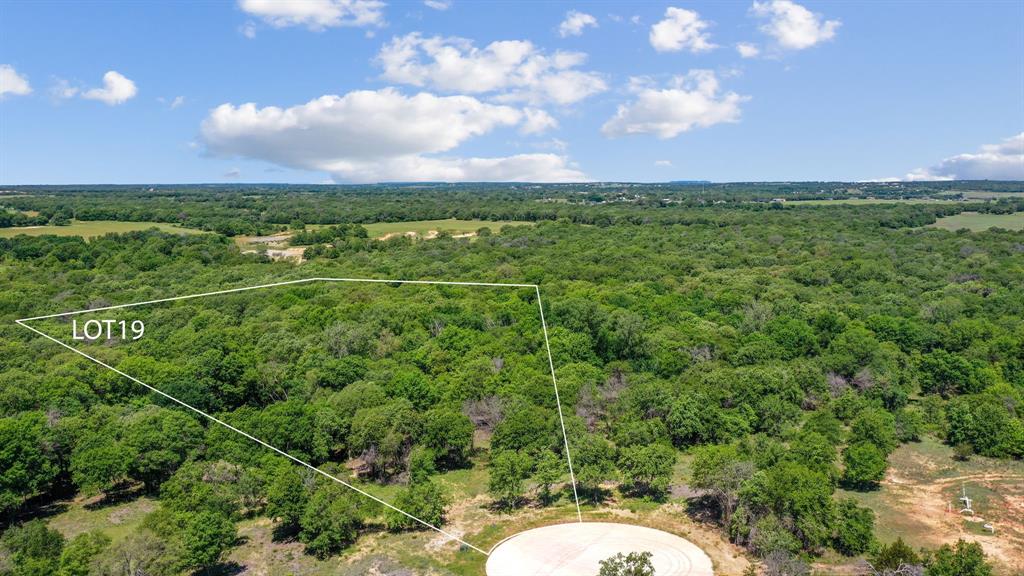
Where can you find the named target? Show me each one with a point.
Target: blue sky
(364, 91)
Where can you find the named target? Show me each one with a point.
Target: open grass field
(93, 228)
(425, 227)
(924, 482)
(985, 195)
(867, 201)
(976, 221)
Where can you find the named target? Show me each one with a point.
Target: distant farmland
(424, 227)
(93, 228)
(976, 221)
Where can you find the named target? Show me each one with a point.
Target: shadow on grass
(120, 494)
(704, 508)
(221, 569)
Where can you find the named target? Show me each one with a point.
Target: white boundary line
(547, 345)
(558, 402)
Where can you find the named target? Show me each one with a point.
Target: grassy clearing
(115, 520)
(425, 227)
(868, 201)
(92, 228)
(924, 483)
(976, 221)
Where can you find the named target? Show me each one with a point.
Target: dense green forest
(782, 352)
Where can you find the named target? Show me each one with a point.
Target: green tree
(331, 521)
(140, 552)
(422, 464)
(34, 549)
(524, 427)
(449, 434)
(384, 434)
(206, 536)
(426, 500)
(722, 470)
(632, 564)
(287, 498)
(941, 372)
(594, 461)
(25, 466)
(79, 552)
(647, 470)
(99, 461)
(794, 492)
(876, 426)
(909, 424)
(854, 528)
(550, 469)
(159, 439)
(891, 557)
(508, 471)
(863, 465)
(963, 559)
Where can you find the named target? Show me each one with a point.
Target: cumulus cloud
(438, 4)
(316, 14)
(681, 29)
(537, 121)
(662, 163)
(1003, 161)
(510, 70)
(13, 83)
(381, 135)
(575, 22)
(793, 26)
(747, 50)
(116, 90)
(691, 101)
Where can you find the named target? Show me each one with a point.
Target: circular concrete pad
(577, 550)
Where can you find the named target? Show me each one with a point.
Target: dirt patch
(919, 501)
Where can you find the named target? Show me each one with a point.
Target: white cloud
(62, 89)
(680, 30)
(690, 101)
(747, 50)
(381, 135)
(173, 103)
(13, 83)
(438, 4)
(315, 14)
(663, 163)
(553, 144)
(116, 90)
(248, 30)
(793, 26)
(575, 22)
(1003, 161)
(537, 121)
(512, 70)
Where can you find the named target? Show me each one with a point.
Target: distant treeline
(235, 210)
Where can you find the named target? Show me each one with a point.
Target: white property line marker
(22, 322)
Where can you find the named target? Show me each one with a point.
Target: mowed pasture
(93, 228)
(868, 201)
(976, 221)
(432, 227)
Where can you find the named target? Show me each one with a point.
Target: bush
(864, 465)
(854, 528)
(425, 500)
